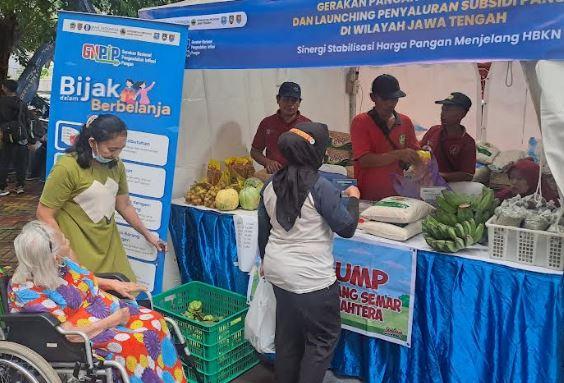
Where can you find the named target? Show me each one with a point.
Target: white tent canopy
(222, 108)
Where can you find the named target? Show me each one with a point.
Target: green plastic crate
(214, 350)
(214, 366)
(206, 341)
(228, 373)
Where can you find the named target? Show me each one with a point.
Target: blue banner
(377, 286)
(29, 79)
(301, 33)
(133, 69)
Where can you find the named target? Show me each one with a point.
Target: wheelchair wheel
(19, 364)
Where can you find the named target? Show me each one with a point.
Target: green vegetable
(254, 182)
(195, 306)
(249, 198)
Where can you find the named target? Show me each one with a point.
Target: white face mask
(99, 158)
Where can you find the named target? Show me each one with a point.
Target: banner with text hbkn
(305, 33)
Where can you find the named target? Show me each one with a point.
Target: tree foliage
(25, 25)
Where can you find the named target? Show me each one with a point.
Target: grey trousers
(308, 327)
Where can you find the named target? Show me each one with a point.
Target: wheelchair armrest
(18, 321)
(40, 332)
(118, 276)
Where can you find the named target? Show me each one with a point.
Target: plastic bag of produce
(394, 231)
(260, 323)
(214, 172)
(424, 174)
(397, 210)
(240, 168)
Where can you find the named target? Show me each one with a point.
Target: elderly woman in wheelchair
(121, 334)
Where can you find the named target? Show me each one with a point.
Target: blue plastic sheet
(204, 242)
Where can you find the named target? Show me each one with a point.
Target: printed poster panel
(377, 286)
(133, 69)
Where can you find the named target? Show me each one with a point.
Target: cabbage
(249, 198)
(227, 199)
(254, 182)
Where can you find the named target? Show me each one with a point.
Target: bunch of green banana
(453, 208)
(452, 238)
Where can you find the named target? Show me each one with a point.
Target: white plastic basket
(532, 247)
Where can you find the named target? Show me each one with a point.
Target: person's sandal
(20, 190)
(4, 192)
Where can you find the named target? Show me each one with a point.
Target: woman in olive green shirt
(84, 190)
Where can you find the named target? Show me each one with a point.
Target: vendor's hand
(408, 156)
(122, 316)
(352, 192)
(127, 289)
(157, 242)
(261, 270)
(272, 166)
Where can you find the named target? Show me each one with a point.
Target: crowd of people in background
(23, 140)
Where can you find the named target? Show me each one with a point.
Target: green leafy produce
(249, 198)
(195, 312)
(254, 182)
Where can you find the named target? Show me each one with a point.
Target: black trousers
(308, 327)
(37, 167)
(16, 154)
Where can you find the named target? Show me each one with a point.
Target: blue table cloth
(473, 321)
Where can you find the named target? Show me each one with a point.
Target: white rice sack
(486, 152)
(397, 210)
(396, 232)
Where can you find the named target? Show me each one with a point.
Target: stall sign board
(377, 286)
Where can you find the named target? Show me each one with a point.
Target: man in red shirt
(289, 98)
(383, 141)
(453, 148)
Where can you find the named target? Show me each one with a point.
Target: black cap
(457, 99)
(387, 87)
(290, 89)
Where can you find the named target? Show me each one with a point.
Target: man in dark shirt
(289, 98)
(452, 146)
(13, 113)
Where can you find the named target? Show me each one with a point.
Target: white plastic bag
(260, 323)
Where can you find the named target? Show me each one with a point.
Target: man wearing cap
(451, 145)
(289, 98)
(383, 141)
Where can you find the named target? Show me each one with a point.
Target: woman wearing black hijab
(298, 214)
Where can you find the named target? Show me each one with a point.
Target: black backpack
(20, 129)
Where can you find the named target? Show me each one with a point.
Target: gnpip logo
(103, 54)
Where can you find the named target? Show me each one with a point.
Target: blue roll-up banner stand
(133, 69)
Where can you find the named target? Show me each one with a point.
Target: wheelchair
(34, 348)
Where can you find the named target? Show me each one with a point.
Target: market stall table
(475, 320)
